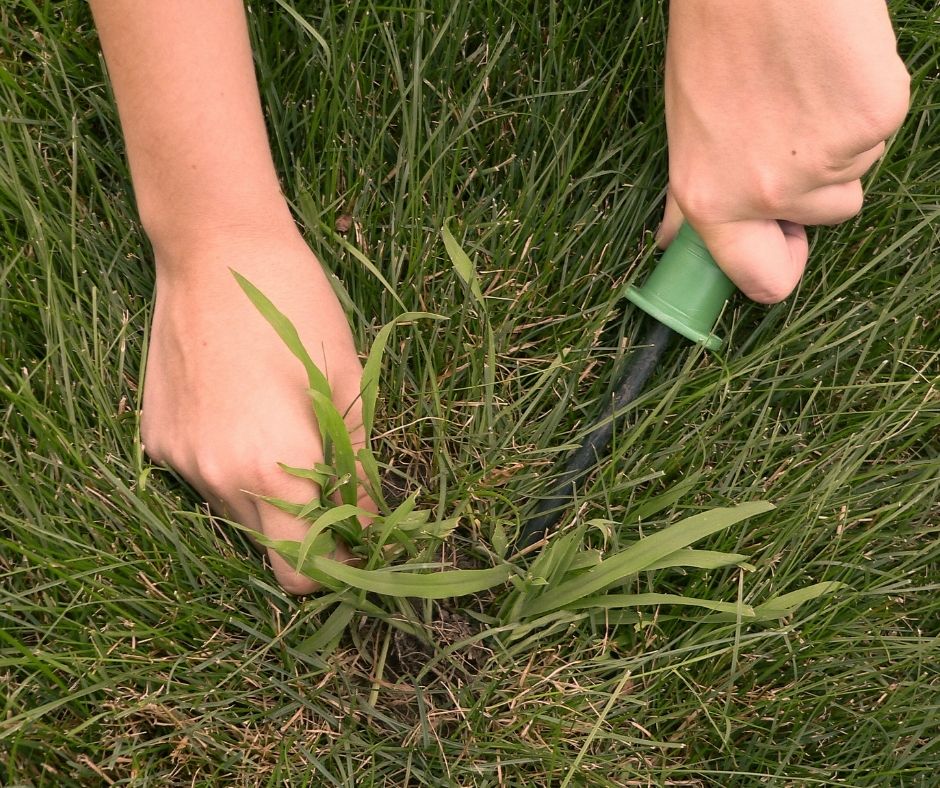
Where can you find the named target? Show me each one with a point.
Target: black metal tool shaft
(645, 359)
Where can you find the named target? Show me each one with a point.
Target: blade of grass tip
(301, 511)
(699, 559)
(366, 262)
(389, 524)
(611, 601)
(318, 477)
(642, 554)
(287, 332)
(785, 604)
(466, 270)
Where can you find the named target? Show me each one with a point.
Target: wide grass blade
(786, 604)
(611, 601)
(334, 434)
(463, 265)
(392, 582)
(642, 554)
(327, 636)
(700, 559)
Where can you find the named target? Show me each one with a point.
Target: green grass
(143, 643)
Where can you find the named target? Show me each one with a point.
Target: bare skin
(774, 111)
(223, 401)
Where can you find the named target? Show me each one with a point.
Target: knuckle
(214, 469)
(886, 111)
(696, 201)
(226, 468)
(770, 194)
(848, 204)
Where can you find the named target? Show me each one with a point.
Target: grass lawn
(142, 642)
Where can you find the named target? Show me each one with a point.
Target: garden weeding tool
(684, 295)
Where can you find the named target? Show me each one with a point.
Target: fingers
(856, 166)
(764, 258)
(275, 523)
(828, 204)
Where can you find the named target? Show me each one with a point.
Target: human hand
(224, 400)
(774, 111)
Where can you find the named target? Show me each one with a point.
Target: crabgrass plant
(397, 551)
(141, 643)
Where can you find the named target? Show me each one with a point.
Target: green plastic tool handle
(686, 290)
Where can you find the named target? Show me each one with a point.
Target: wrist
(180, 236)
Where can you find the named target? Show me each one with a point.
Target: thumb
(763, 257)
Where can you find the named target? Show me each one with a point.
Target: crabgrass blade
(333, 428)
(436, 585)
(585, 560)
(373, 366)
(542, 623)
(553, 561)
(499, 541)
(660, 502)
(389, 524)
(302, 511)
(317, 477)
(612, 601)
(325, 639)
(318, 542)
(642, 554)
(288, 548)
(699, 559)
(287, 332)
(438, 529)
(785, 604)
(330, 517)
(463, 265)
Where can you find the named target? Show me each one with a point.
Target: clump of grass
(396, 552)
(141, 644)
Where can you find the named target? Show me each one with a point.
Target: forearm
(188, 101)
